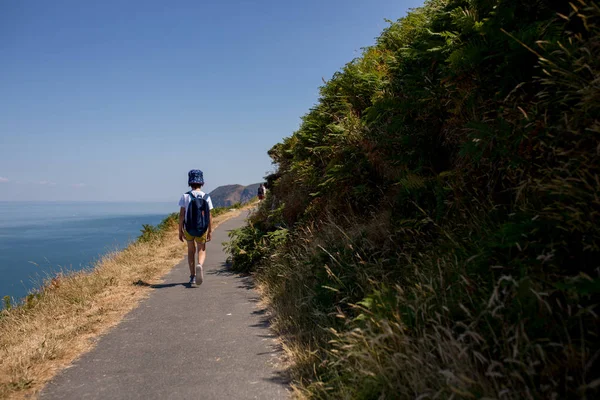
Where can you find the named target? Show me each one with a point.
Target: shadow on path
(283, 375)
(245, 280)
(280, 378)
(162, 285)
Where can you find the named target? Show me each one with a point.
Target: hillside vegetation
(432, 230)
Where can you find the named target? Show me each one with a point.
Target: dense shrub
(442, 211)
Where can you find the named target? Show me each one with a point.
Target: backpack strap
(203, 197)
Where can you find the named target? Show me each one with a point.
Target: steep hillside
(225, 196)
(433, 228)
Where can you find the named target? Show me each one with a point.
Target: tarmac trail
(209, 342)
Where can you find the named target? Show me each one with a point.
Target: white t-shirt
(184, 201)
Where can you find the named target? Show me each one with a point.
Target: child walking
(195, 244)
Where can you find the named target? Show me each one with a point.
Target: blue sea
(37, 239)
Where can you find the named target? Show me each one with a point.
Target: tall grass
(441, 214)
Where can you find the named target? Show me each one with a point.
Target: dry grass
(46, 333)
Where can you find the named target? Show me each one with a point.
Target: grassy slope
(433, 227)
(59, 322)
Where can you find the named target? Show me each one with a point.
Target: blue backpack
(197, 217)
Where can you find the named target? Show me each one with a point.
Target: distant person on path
(195, 224)
(262, 190)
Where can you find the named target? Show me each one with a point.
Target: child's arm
(181, 221)
(209, 234)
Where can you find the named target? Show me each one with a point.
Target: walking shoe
(193, 281)
(200, 274)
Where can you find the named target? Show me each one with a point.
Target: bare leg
(201, 253)
(201, 258)
(191, 256)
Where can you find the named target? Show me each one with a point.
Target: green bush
(249, 245)
(150, 232)
(441, 211)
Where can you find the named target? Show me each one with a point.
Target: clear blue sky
(117, 100)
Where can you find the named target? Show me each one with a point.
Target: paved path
(210, 342)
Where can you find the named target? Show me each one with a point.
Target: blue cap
(195, 176)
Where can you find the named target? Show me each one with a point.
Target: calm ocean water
(39, 239)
